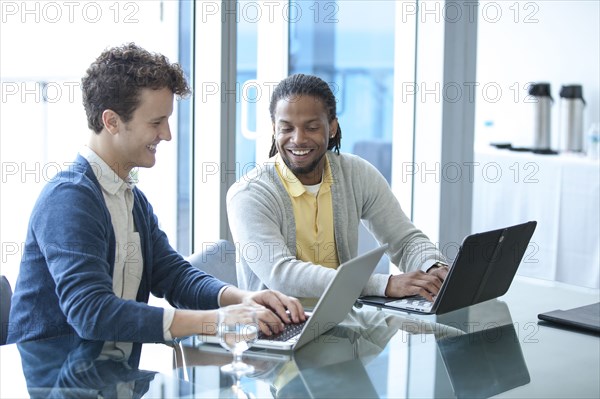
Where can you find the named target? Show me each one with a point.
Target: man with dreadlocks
(296, 218)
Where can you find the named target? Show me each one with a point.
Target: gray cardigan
(261, 219)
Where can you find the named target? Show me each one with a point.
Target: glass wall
(248, 90)
(350, 44)
(184, 123)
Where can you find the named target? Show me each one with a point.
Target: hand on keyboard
(289, 331)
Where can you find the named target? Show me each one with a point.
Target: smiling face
(302, 133)
(134, 142)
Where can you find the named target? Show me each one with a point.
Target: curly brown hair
(114, 81)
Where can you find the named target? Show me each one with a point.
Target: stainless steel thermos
(542, 109)
(571, 118)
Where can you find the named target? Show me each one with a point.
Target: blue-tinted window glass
(350, 44)
(184, 121)
(246, 73)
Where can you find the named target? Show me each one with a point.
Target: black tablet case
(584, 317)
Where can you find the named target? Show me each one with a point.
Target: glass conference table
(497, 348)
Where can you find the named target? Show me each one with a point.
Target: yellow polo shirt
(313, 213)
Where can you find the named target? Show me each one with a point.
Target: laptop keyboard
(415, 302)
(418, 300)
(290, 331)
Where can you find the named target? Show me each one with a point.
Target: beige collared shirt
(129, 262)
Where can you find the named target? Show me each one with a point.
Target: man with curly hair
(94, 250)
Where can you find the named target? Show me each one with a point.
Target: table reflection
(67, 367)
(484, 363)
(332, 365)
(335, 364)
(477, 350)
(487, 359)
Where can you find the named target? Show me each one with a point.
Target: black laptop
(483, 269)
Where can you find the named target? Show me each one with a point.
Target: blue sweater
(65, 280)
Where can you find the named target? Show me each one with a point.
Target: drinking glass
(237, 330)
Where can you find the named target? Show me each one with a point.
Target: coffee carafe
(571, 118)
(541, 114)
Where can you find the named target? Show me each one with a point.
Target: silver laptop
(330, 310)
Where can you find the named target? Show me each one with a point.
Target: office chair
(218, 260)
(6, 293)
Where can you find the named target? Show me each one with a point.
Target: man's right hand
(414, 283)
(275, 309)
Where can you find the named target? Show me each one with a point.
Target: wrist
(189, 322)
(232, 295)
(388, 287)
(437, 265)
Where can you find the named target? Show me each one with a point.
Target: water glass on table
(237, 330)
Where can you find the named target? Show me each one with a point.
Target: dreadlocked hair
(307, 85)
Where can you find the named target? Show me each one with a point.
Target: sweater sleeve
(409, 248)
(259, 226)
(174, 278)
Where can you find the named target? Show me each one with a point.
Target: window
(45, 50)
(350, 45)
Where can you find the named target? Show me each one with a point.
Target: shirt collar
(291, 183)
(108, 179)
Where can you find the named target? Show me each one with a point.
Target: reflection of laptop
(327, 381)
(332, 308)
(484, 363)
(483, 269)
(335, 356)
